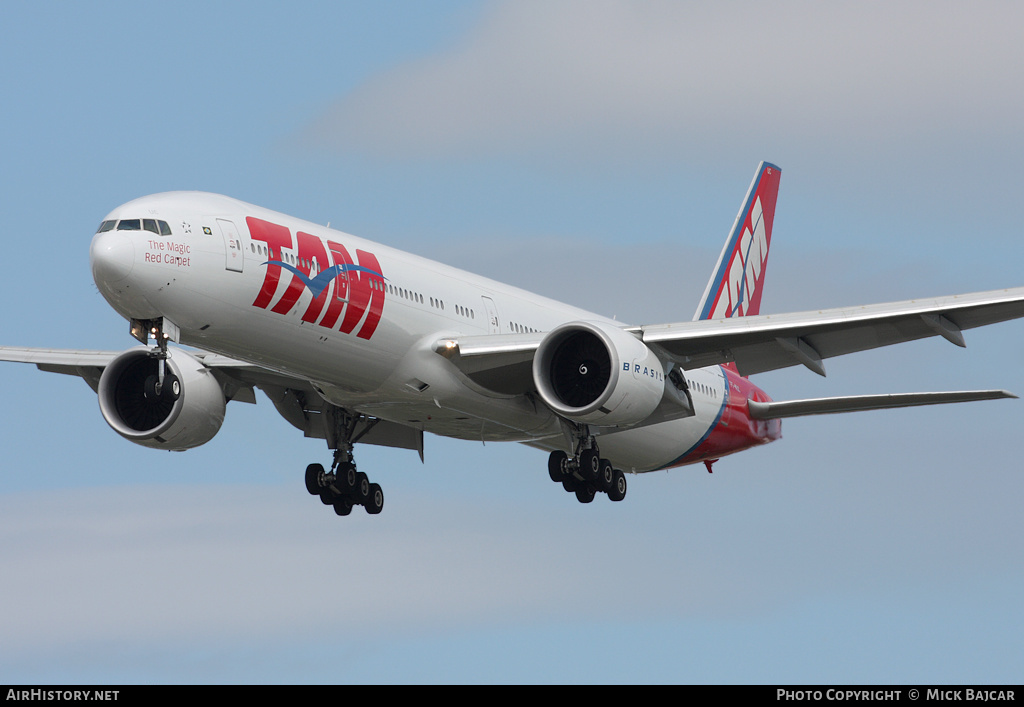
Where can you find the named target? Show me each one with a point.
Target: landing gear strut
(161, 384)
(344, 486)
(585, 473)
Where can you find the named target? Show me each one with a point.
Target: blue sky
(591, 151)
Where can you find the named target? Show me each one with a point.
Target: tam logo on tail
(734, 289)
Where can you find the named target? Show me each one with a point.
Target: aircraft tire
(314, 472)
(375, 501)
(362, 488)
(347, 476)
(590, 464)
(556, 465)
(606, 477)
(585, 493)
(343, 506)
(618, 490)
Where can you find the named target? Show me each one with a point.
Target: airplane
(355, 342)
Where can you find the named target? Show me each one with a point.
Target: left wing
(756, 344)
(768, 342)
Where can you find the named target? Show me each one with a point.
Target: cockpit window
(135, 224)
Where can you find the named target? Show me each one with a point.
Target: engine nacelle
(188, 411)
(596, 373)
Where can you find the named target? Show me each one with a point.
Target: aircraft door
(493, 323)
(232, 245)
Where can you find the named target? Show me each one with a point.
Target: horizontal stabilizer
(855, 403)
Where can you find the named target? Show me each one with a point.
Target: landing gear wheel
(556, 465)
(375, 502)
(590, 464)
(170, 390)
(347, 476)
(585, 493)
(605, 477)
(618, 491)
(328, 497)
(343, 506)
(314, 479)
(362, 488)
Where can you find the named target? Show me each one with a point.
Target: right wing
(295, 399)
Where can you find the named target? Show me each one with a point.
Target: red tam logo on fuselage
(339, 284)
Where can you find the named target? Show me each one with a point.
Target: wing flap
(856, 403)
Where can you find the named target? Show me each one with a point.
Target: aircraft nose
(112, 255)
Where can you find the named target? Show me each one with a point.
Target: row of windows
(522, 329)
(700, 387)
(135, 224)
(434, 301)
(314, 267)
(409, 295)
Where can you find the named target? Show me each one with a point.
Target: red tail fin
(735, 287)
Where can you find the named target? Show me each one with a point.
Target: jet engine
(187, 411)
(596, 373)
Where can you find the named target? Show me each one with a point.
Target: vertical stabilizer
(735, 287)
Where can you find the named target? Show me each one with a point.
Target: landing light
(447, 347)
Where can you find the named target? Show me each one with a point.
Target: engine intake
(188, 411)
(596, 373)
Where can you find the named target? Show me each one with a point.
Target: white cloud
(579, 75)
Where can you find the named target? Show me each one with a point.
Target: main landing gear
(586, 473)
(343, 487)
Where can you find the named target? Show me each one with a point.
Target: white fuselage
(221, 278)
